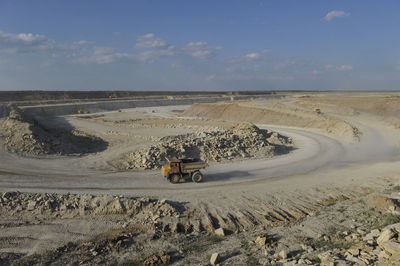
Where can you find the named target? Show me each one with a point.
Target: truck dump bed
(193, 166)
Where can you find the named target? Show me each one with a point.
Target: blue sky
(199, 45)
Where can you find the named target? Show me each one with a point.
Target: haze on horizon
(199, 45)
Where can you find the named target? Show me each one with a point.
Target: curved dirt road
(312, 152)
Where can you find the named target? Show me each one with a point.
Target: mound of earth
(277, 115)
(239, 141)
(24, 135)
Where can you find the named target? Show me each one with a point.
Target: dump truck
(178, 170)
(81, 111)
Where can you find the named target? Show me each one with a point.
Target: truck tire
(174, 178)
(197, 177)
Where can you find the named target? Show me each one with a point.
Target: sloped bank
(277, 115)
(26, 136)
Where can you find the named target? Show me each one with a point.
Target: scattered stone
(160, 258)
(283, 254)
(372, 235)
(31, 205)
(219, 232)
(261, 241)
(214, 260)
(354, 251)
(326, 256)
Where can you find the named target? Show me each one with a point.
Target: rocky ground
(366, 232)
(240, 141)
(316, 217)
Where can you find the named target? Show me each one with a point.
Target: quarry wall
(112, 105)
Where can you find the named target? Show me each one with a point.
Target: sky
(199, 45)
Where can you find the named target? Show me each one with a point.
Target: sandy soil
(349, 151)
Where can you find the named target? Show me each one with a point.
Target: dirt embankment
(277, 115)
(24, 135)
(240, 141)
(387, 107)
(67, 206)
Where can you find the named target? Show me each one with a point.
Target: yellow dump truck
(177, 170)
(81, 111)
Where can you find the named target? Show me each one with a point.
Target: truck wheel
(197, 177)
(175, 178)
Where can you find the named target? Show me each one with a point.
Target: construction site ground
(54, 206)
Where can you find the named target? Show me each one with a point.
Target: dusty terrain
(285, 184)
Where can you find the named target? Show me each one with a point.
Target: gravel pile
(26, 136)
(240, 141)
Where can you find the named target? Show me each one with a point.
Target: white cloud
(150, 40)
(335, 14)
(211, 77)
(152, 55)
(105, 55)
(83, 42)
(28, 43)
(339, 68)
(290, 63)
(240, 69)
(201, 49)
(156, 46)
(250, 57)
(196, 45)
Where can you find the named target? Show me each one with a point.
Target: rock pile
(69, 205)
(240, 141)
(26, 136)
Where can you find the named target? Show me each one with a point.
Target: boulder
(214, 259)
(386, 235)
(160, 258)
(389, 239)
(261, 241)
(391, 247)
(283, 254)
(219, 232)
(31, 205)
